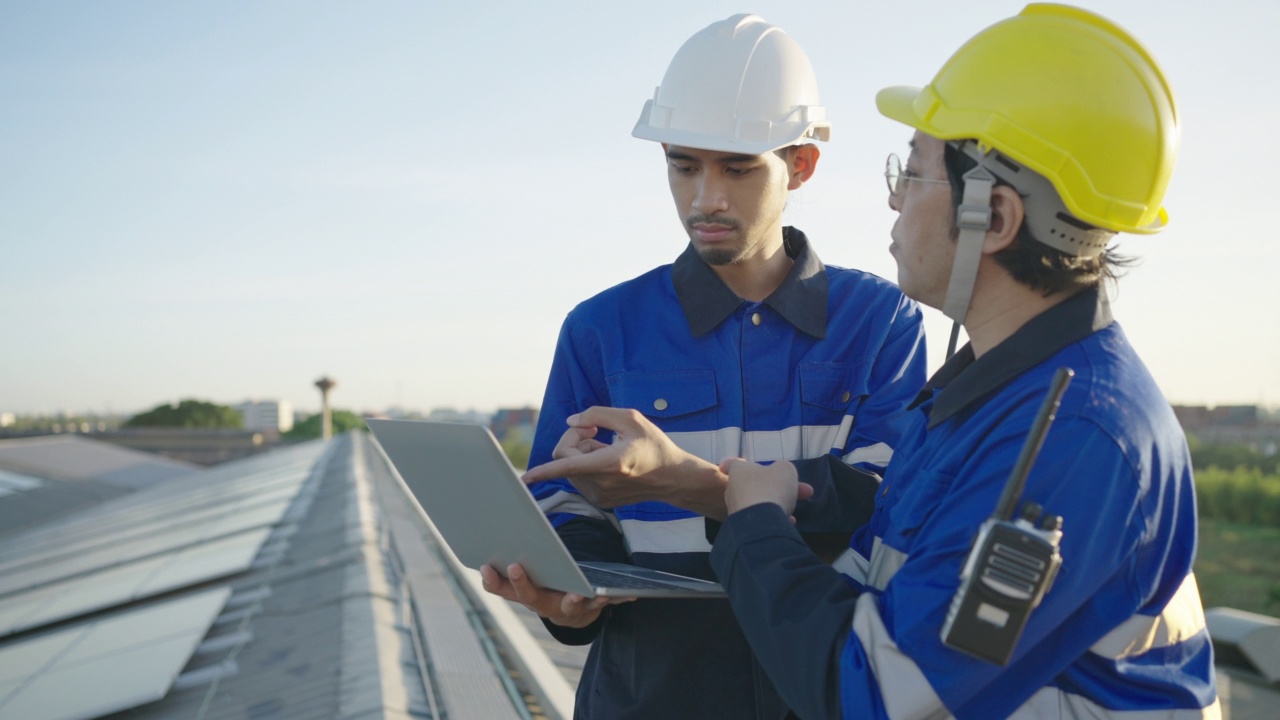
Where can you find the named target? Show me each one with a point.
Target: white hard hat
(738, 85)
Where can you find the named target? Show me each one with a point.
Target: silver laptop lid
(467, 486)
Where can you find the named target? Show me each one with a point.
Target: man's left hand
(751, 484)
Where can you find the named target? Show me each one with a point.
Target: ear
(1007, 212)
(802, 162)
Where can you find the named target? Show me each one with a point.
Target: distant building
(471, 417)
(270, 415)
(1250, 425)
(398, 413)
(514, 424)
(7, 419)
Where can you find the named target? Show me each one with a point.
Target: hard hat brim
(719, 143)
(896, 103)
(899, 103)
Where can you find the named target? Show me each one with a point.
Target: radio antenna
(1008, 504)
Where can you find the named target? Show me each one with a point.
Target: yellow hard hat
(1068, 94)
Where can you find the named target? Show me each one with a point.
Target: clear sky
(229, 200)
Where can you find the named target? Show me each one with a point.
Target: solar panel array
(101, 610)
(114, 663)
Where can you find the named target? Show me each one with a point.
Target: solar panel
(111, 664)
(132, 581)
(11, 483)
(91, 538)
(168, 518)
(123, 517)
(205, 561)
(115, 551)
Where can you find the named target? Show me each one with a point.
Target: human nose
(709, 195)
(895, 201)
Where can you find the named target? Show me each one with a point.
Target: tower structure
(326, 415)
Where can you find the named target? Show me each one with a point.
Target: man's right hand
(642, 464)
(566, 609)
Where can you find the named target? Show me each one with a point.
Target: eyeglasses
(898, 178)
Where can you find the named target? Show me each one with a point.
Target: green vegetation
(1242, 495)
(1238, 495)
(1237, 566)
(309, 429)
(63, 422)
(517, 451)
(1208, 455)
(189, 414)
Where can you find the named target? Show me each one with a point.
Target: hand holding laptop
(565, 609)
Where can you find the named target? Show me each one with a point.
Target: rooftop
(298, 583)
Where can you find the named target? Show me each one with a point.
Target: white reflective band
(852, 565)
(842, 437)
(885, 563)
(1050, 703)
(903, 687)
(878, 454)
(1180, 620)
(567, 502)
(666, 536)
(792, 443)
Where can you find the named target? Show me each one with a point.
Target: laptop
(463, 481)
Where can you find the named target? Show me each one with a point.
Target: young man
(747, 345)
(1038, 140)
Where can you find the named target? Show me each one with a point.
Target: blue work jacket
(1120, 633)
(821, 370)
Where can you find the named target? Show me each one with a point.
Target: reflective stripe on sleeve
(572, 503)
(853, 565)
(878, 454)
(1050, 703)
(885, 563)
(1181, 619)
(666, 536)
(903, 687)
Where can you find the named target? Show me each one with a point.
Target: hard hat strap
(973, 218)
(1046, 216)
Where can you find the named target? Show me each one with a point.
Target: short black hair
(1030, 261)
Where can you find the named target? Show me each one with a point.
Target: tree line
(211, 416)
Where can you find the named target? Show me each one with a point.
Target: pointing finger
(564, 467)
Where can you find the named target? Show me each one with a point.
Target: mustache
(728, 222)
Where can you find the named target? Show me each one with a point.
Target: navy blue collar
(963, 383)
(801, 299)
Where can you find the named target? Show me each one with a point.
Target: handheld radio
(1013, 561)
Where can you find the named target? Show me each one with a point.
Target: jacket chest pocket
(681, 402)
(664, 396)
(828, 391)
